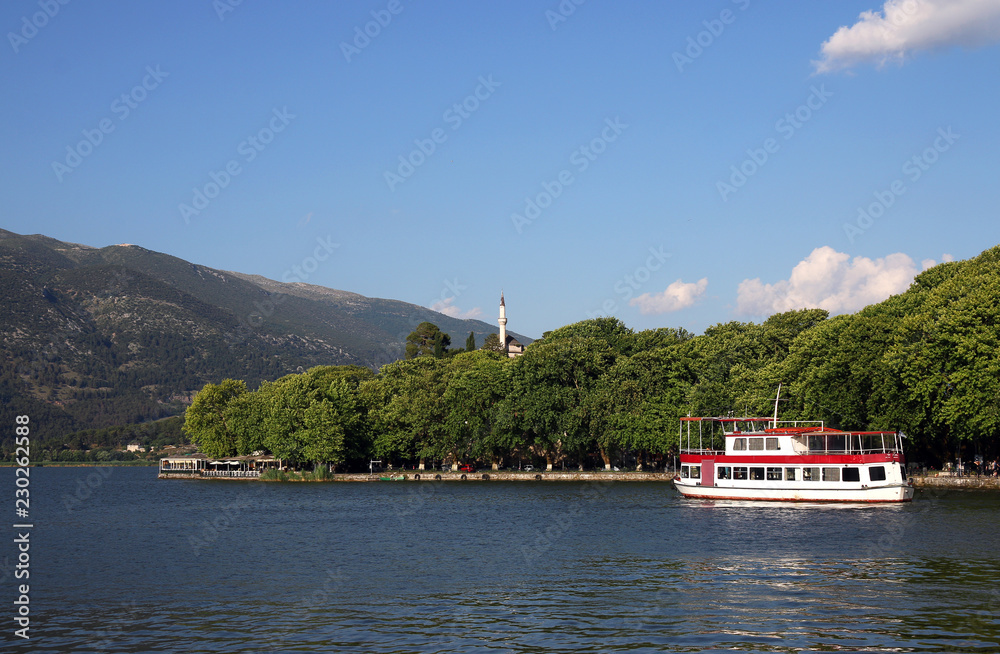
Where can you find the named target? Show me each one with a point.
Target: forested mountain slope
(91, 337)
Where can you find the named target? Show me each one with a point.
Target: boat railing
(231, 473)
(803, 423)
(878, 450)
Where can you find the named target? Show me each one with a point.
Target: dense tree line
(104, 444)
(595, 393)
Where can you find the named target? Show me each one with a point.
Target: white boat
(768, 459)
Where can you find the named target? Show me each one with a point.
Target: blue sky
(672, 164)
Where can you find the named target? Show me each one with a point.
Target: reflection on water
(147, 566)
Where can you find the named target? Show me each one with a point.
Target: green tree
(492, 343)
(550, 384)
(470, 342)
(945, 354)
(476, 386)
(427, 339)
(639, 401)
(309, 417)
(612, 331)
(407, 415)
(205, 420)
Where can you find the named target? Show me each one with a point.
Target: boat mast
(777, 398)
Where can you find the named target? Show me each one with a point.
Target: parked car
(467, 468)
(529, 468)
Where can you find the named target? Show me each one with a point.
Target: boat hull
(892, 493)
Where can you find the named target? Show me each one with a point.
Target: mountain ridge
(96, 336)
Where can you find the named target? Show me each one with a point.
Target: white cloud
(927, 264)
(830, 280)
(906, 26)
(447, 308)
(677, 296)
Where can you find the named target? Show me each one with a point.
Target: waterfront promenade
(919, 481)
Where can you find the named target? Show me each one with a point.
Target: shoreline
(919, 481)
(84, 464)
(432, 475)
(987, 483)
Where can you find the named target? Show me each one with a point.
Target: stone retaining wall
(482, 476)
(491, 475)
(956, 482)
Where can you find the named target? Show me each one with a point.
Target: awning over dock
(200, 465)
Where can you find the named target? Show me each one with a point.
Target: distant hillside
(91, 337)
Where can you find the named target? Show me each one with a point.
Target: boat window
(810, 474)
(725, 472)
(876, 473)
(817, 442)
(756, 443)
(774, 474)
(695, 472)
(739, 443)
(852, 474)
(790, 474)
(757, 474)
(902, 471)
(771, 443)
(837, 442)
(685, 472)
(739, 473)
(831, 474)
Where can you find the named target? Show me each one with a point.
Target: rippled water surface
(136, 564)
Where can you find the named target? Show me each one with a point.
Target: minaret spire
(503, 323)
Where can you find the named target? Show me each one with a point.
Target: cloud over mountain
(447, 307)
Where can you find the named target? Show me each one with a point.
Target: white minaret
(503, 323)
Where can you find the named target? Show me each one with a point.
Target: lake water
(130, 563)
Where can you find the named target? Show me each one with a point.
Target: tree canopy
(595, 392)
